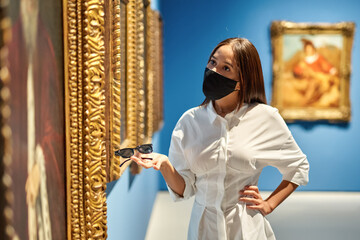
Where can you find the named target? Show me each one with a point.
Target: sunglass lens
(126, 153)
(147, 148)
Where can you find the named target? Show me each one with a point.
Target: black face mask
(217, 86)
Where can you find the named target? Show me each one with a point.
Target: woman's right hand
(151, 160)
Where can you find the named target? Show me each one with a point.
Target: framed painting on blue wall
(311, 70)
(37, 171)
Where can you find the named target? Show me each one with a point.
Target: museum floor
(304, 215)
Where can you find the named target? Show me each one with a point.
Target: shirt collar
(211, 111)
(236, 113)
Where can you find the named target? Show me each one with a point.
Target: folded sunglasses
(128, 152)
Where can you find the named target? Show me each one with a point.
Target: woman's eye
(212, 62)
(227, 69)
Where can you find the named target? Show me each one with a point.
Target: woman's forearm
(173, 178)
(281, 193)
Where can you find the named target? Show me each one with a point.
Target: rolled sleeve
(283, 153)
(293, 163)
(180, 163)
(189, 187)
(289, 160)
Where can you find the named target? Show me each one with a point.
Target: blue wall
(193, 28)
(130, 201)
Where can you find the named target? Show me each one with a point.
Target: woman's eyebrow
(229, 64)
(225, 61)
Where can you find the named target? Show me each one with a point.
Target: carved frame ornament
(7, 230)
(155, 73)
(85, 118)
(340, 108)
(111, 102)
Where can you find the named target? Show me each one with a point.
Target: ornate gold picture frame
(84, 38)
(112, 86)
(119, 127)
(311, 70)
(154, 73)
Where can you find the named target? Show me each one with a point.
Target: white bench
(318, 215)
(304, 215)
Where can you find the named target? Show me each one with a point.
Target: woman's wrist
(270, 206)
(165, 164)
(280, 194)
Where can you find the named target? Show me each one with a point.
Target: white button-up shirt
(218, 157)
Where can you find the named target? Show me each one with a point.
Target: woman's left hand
(251, 196)
(151, 160)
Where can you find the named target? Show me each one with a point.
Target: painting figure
(36, 192)
(38, 133)
(312, 81)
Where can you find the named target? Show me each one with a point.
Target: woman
(219, 149)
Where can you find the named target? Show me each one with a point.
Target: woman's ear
(237, 87)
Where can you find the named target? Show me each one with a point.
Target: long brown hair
(250, 72)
